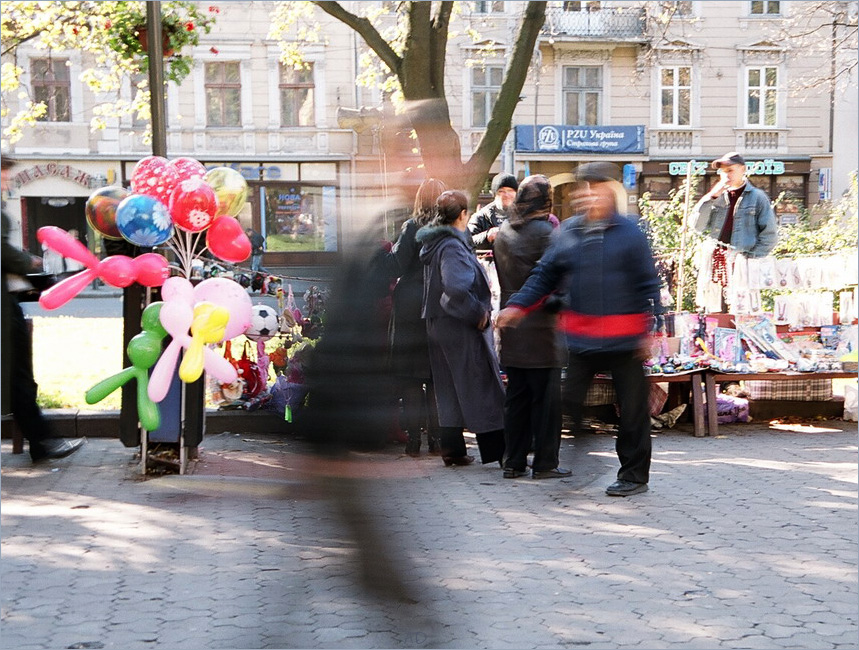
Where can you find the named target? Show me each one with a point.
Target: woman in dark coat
(532, 353)
(457, 308)
(409, 352)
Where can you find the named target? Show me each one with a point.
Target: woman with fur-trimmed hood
(457, 307)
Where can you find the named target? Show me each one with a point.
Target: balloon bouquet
(174, 204)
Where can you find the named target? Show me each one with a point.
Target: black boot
(433, 443)
(413, 445)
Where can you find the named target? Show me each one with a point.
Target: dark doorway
(64, 212)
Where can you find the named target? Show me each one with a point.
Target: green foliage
(108, 33)
(662, 222)
(831, 229)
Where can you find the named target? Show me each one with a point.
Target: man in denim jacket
(736, 212)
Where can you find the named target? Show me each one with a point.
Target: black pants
(490, 444)
(532, 412)
(419, 407)
(630, 383)
(23, 389)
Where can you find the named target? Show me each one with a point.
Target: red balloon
(193, 205)
(226, 239)
(152, 269)
(155, 177)
(188, 168)
(117, 270)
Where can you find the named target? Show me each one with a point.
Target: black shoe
(558, 472)
(56, 448)
(509, 472)
(621, 488)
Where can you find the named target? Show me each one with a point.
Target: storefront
(773, 176)
(44, 192)
(557, 150)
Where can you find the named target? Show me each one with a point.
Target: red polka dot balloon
(193, 205)
(154, 176)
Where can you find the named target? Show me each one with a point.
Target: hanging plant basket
(143, 39)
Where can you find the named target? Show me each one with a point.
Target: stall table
(695, 379)
(712, 378)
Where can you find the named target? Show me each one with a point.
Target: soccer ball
(264, 323)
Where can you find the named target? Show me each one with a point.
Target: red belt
(605, 326)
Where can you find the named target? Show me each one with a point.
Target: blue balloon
(144, 220)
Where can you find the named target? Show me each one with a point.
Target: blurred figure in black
(533, 353)
(19, 387)
(409, 352)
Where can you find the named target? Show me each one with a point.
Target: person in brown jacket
(534, 352)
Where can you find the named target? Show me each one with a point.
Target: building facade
(651, 86)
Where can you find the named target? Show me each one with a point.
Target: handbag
(249, 372)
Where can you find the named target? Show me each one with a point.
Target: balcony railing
(619, 23)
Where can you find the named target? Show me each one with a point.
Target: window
(485, 85)
(582, 94)
(582, 6)
(761, 96)
(765, 8)
(51, 85)
(299, 217)
(223, 94)
(296, 96)
(488, 7)
(675, 92)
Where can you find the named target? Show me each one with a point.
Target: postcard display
(801, 333)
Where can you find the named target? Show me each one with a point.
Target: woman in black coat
(457, 307)
(409, 352)
(532, 353)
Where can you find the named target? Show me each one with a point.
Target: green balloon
(150, 321)
(144, 349)
(106, 386)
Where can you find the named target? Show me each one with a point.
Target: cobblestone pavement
(745, 540)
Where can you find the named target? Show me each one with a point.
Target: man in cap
(483, 224)
(736, 212)
(603, 264)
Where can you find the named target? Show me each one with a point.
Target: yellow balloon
(208, 326)
(231, 190)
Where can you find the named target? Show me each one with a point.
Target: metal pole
(155, 52)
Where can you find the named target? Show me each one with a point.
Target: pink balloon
(193, 205)
(62, 242)
(152, 269)
(178, 288)
(117, 270)
(62, 292)
(230, 295)
(188, 168)
(155, 177)
(227, 240)
(176, 317)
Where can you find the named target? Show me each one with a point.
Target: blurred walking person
(603, 263)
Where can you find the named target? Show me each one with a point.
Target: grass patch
(70, 355)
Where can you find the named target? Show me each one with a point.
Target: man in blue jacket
(603, 264)
(736, 212)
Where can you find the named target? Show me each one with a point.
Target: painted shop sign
(579, 139)
(766, 167)
(53, 169)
